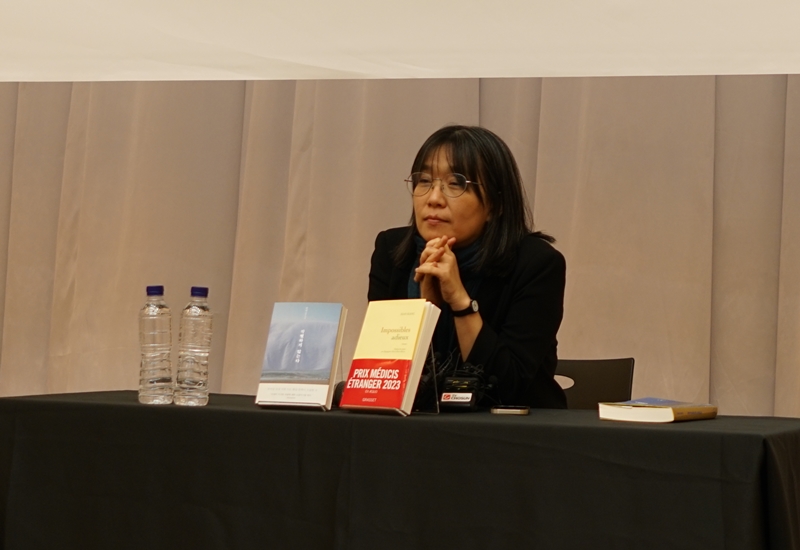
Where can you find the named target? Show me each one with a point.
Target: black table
(99, 470)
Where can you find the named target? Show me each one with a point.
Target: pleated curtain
(676, 201)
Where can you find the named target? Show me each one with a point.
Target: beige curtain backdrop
(676, 201)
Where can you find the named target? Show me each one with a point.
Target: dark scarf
(445, 342)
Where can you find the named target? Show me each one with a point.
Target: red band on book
(378, 383)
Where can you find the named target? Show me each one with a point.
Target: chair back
(588, 382)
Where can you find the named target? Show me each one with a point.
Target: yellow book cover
(389, 355)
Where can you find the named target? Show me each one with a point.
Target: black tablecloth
(100, 470)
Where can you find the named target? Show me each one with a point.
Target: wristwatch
(473, 308)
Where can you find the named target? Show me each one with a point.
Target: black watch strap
(473, 308)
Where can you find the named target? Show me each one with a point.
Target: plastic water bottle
(191, 387)
(155, 338)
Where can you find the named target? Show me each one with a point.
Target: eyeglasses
(452, 185)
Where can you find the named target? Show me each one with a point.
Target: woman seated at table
(470, 250)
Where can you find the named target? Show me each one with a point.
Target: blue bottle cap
(200, 291)
(155, 290)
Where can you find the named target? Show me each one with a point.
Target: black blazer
(521, 314)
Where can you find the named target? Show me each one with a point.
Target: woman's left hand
(438, 274)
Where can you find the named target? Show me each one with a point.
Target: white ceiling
(58, 40)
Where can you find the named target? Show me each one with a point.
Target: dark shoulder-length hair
(481, 156)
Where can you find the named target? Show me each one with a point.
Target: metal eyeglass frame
(445, 190)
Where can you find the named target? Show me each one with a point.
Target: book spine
(694, 413)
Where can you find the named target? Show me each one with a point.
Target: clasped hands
(438, 276)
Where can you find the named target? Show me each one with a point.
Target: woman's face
(438, 215)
